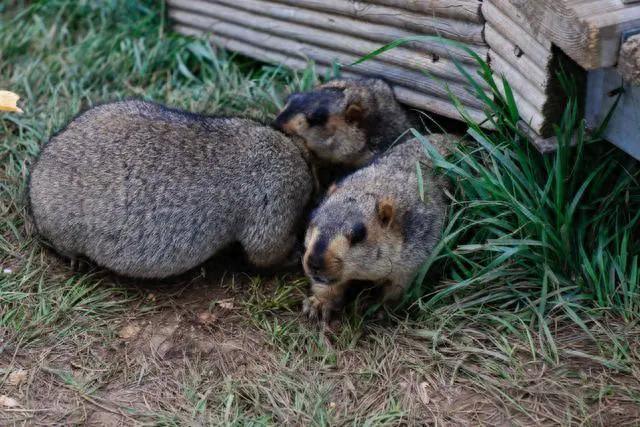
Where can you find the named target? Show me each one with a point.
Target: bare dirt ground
(228, 348)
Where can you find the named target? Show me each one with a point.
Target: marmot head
(353, 239)
(339, 119)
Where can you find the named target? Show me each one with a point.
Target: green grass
(468, 355)
(530, 234)
(545, 234)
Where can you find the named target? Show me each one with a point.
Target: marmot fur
(346, 122)
(374, 225)
(150, 192)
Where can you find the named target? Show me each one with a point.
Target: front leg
(324, 301)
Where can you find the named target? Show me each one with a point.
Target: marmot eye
(358, 233)
(318, 117)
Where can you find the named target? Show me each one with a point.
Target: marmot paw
(317, 309)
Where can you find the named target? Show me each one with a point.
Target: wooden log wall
(292, 32)
(524, 60)
(519, 38)
(588, 31)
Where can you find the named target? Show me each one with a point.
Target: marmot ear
(354, 112)
(332, 189)
(386, 210)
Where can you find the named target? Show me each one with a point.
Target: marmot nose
(279, 123)
(315, 263)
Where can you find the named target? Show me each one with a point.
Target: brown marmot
(149, 192)
(376, 226)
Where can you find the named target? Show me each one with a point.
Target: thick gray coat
(151, 192)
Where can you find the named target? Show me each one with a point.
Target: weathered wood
(393, 73)
(544, 145)
(518, 82)
(440, 67)
(344, 25)
(528, 63)
(503, 18)
(466, 10)
(467, 32)
(588, 31)
(529, 113)
(537, 74)
(304, 30)
(443, 107)
(629, 63)
(405, 95)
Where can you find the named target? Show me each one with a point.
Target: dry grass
(192, 352)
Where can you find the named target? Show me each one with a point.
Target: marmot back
(345, 121)
(150, 192)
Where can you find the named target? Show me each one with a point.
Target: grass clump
(529, 233)
(535, 234)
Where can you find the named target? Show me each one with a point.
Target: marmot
(150, 192)
(346, 121)
(374, 225)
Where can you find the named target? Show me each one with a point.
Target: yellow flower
(8, 101)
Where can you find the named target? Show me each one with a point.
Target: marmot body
(375, 225)
(150, 192)
(346, 121)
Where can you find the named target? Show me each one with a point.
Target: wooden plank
(344, 25)
(468, 32)
(529, 64)
(466, 10)
(589, 31)
(517, 81)
(405, 95)
(393, 73)
(504, 19)
(441, 67)
(542, 144)
(537, 74)
(529, 113)
(522, 60)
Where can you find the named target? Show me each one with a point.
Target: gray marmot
(346, 121)
(375, 226)
(150, 192)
